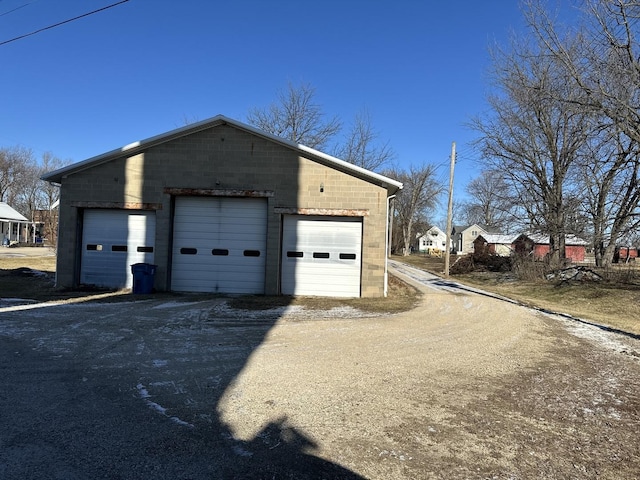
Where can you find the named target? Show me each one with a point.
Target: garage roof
(391, 185)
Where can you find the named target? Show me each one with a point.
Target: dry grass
(33, 278)
(614, 302)
(401, 297)
(42, 263)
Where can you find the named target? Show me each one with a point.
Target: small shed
(494, 244)
(538, 246)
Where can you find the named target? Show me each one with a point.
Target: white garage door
(219, 245)
(112, 241)
(321, 256)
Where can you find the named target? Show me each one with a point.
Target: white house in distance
(11, 225)
(432, 241)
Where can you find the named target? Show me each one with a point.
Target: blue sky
(141, 68)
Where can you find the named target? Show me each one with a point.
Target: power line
(13, 10)
(62, 23)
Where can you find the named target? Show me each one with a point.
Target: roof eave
(392, 186)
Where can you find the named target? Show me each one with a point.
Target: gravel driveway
(464, 386)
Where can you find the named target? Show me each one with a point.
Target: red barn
(625, 254)
(538, 246)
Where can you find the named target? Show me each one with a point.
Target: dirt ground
(465, 386)
(462, 387)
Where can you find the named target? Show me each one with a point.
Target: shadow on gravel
(71, 412)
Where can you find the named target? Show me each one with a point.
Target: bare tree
(48, 196)
(491, 203)
(362, 147)
(534, 138)
(15, 163)
(414, 202)
(29, 186)
(296, 117)
(610, 177)
(603, 64)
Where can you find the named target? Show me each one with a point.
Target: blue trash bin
(144, 275)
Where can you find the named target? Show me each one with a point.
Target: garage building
(222, 207)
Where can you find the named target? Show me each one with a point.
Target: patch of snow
(37, 273)
(242, 452)
(173, 305)
(225, 311)
(594, 333)
(143, 392)
(145, 395)
(181, 422)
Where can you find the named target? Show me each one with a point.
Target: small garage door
(219, 245)
(112, 241)
(321, 256)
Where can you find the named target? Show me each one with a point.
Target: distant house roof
(460, 228)
(433, 230)
(499, 239)
(8, 214)
(56, 176)
(541, 239)
(484, 228)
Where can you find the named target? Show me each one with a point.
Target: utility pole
(449, 212)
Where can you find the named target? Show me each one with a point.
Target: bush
(462, 265)
(481, 262)
(526, 268)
